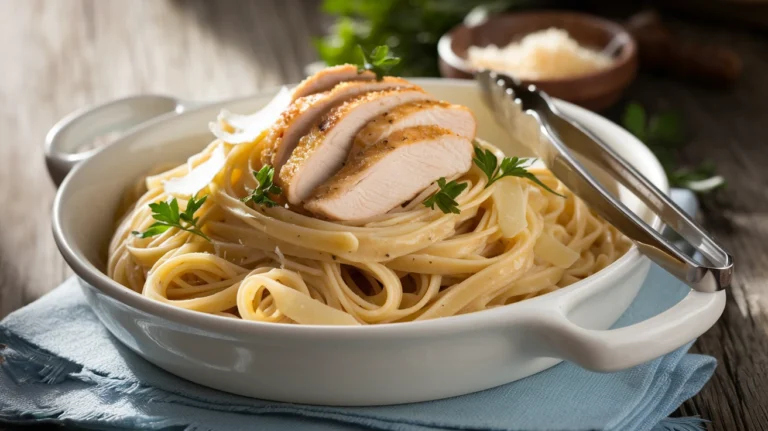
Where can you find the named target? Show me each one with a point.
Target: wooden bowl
(594, 91)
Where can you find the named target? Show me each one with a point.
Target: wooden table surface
(62, 55)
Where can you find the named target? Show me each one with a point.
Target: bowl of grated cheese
(580, 58)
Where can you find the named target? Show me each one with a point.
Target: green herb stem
(379, 61)
(167, 216)
(510, 167)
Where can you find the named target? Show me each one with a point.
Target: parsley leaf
(265, 179)
(510, 167)
(380, 61)
(167, 215)
(663, 135)
(444, 198)
(486, 161)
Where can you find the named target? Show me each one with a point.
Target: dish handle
(622, 348)
(82, 133)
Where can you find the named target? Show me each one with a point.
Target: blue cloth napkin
(60, 365)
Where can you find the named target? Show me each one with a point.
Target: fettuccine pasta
(510, 242)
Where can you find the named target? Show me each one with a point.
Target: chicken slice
(327, 78)
(298, 119)
(391, 172)
(455, 118)
(322, 152)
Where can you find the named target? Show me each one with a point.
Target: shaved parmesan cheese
(511, 201)
(280, 257)
(248, 127)
(198, 177)
(552, 251)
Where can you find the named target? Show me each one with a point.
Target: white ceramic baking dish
(372, 365)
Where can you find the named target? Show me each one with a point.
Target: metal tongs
(530, 116)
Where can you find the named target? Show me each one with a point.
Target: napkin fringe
(26, 363)
(120, 386)
(686, 423)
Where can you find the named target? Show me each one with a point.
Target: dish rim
(87, 272)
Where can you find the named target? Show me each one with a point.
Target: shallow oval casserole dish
(363, 365)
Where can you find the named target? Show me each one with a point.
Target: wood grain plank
(730, 128)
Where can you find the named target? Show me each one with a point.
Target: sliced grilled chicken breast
(305, 112)
(391, 172)
(323, 151)
(327, 78)
(455, 118)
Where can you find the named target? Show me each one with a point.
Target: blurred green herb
(380, 61)
(410, 27)
(445, 197)
(663, 134)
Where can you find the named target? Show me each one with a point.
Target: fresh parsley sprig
(445, 197)
(510, 167)
(380, 61)
(663, 135)
(168, 215)
(266, 187)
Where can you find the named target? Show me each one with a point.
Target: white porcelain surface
(373, 365)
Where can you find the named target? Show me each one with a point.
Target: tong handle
(713, 276)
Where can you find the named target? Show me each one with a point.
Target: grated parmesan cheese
(545, 54)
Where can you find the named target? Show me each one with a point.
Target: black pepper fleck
(387, 255)
(333, 256)
(390, 121)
